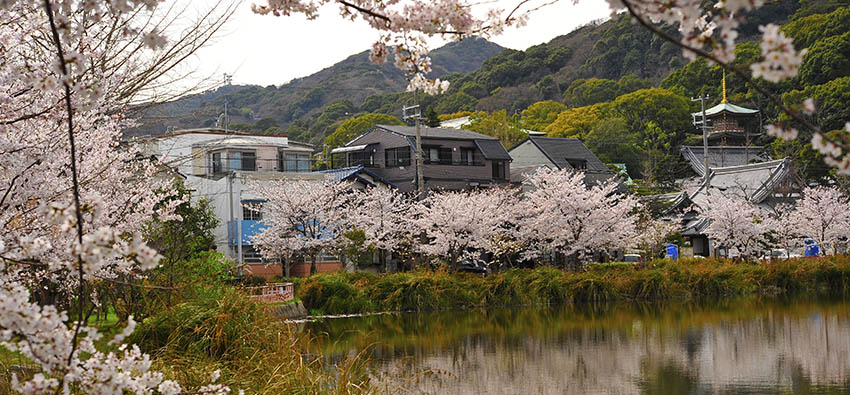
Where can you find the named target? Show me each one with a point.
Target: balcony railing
(453, 162)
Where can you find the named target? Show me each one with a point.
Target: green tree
(630, 83)
(353, 127)
(575, 122)
(808, 30)
(659, 164)
(432, 120)
(188, 262)
(611, 140)
(669, 111)
(808, 163)
(590, 91)
(458, 101)
(324, 123)
(828, 59)
(541, 114)
(548, 88)
(498, 125)
(832, 100)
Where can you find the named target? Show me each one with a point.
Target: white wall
(176, 150)
(527, 154)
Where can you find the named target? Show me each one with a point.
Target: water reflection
(735, 346)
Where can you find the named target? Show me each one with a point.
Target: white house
(217, 163)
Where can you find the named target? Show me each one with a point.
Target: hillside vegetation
(615, 85)
(341, 87)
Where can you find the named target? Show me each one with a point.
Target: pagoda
(730, 131)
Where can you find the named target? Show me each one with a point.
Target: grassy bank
(341, 293)
(254, 350)
(221, 329)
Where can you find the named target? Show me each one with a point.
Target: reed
(423, 290)
(255, 351)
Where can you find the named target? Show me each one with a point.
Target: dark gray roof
(721, 156)
(353, 172)
(437, 133)
(559, 149)
(754, 182)
(492, 149)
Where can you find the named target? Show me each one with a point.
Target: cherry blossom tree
(735, 223)
(824, 215)
(301, 217)
(782, 231)
(72, 200)
(650, 232)
(565, 216)
(382, 214)
(460, 225)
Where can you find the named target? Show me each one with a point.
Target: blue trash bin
(812, 248)
(673, 251)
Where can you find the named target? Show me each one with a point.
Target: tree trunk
(285, 265)
(382, 260)
(313, 264)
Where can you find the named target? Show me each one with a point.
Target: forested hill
(590, 66)
(351, 80)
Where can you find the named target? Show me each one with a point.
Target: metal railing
(272, 293)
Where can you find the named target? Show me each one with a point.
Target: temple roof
(720, 156)
(728, 107)
(753, 182)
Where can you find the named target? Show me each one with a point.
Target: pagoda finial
(724, 86)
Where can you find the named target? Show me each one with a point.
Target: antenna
(420, 162)
(703, 124)
(416, 114)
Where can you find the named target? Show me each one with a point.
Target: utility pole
(420, 162)
(702, 124)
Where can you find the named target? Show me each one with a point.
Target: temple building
(735, 169)
(731, 130)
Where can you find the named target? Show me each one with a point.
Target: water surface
(739, 346)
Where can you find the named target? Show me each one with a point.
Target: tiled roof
(558, 150)
(492, 149)
(353, 172)
(728, 107)
(720, 156)
(754, 182)
(437, 133)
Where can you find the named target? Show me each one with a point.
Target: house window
(242, 160)
(499, 170)
(438, 155)
(361, 158)
(578, 164)
(215, 158)
(293, 162)
(396, 157)
(467, 156)
(252, 213)
(251, 255)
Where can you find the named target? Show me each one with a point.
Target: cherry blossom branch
(708, 55)
(75, 182)
(365, 11)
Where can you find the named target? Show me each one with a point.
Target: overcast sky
(268, 50)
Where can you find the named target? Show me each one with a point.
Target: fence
(271, 293)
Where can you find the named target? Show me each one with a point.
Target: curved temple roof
(727, 107)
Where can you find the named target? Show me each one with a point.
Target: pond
(737, 346)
